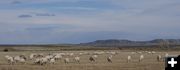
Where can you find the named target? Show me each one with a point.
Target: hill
(129, 43)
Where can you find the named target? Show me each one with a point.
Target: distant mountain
(124, 43)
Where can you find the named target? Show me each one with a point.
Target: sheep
(37, 61)
(49, 56)
(141, 58)
(10, 59)
(98, 53)
(62, 54)
(66, 60)
(43, 61)
(139, 52)
(113, 53)
(71, 54)
(81, 54)
(109, 59)
(58, 56)
(35, 55)
(133, 52)
(31, 56)
(159, 58)
(52, 60)
(153, 52)
(95, 56)
(91, 59)
(77, 59)
(19, 59)
(128, 58)
(22, 60)
(166, 55)
(23, 57)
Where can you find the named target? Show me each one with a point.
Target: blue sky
(76, 21)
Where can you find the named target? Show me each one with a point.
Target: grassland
(119, 60)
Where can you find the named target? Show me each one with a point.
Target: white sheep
(10, 59)
(41, 61)
(31, 56)
(133, 52)
(77, 59)
(66, 60)
(129, 58)
(49, 56)
(113, 53)
(52, 60)
(141, 58)
(109, 59)
(166, 55)
(57, 57)
(44, 61)
(159, 58)
(71, 54)
(153, 52)
(19, 59)
(95, 56)
(37, 61)
(139, 52)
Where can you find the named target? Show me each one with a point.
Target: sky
(79, 21)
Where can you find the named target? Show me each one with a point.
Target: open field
(119, 60)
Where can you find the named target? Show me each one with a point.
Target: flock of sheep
(42, 59)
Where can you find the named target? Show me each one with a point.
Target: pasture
(119, 60)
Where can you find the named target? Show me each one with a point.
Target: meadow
(119, 60)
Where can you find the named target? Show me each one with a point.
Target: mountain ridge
(125, 42)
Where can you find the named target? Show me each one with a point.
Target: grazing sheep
(139, 52)
(77, 59)
(91, 59)
(49, 56)
(31, 56)
(153, 52)
(10, 59)
(57, 57)
(95, 56)
(166, 55)
(129, 59)
(52, 61)
(159, 58)
(80, 53)
(43, 61)
(66, 60)
(113, 53)
(22, 60)
(37, 61)
(62, 54)
(23, 56)
(35, 55)
(109, 59)
(19, 59)
(71, 54)
(99, 53)
(133, 52)
(141, 58)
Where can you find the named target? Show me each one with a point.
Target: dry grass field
(119, 61)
